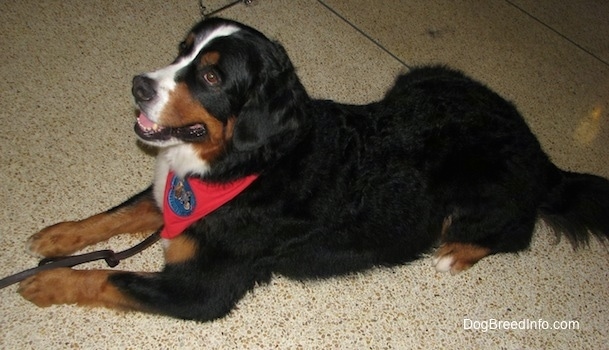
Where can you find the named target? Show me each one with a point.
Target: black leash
(111, 258)
(206, 14)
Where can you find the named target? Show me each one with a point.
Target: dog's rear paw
(456, 257)
(57, 240)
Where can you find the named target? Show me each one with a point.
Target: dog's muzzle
(144, 91)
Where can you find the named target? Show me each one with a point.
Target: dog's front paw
(48, 287)
(81, 287)
(57, 240)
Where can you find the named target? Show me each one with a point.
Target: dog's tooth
(155, 126)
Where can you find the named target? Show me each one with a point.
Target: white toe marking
(30, 250)
(444, 263)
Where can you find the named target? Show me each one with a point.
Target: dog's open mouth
(151, 131)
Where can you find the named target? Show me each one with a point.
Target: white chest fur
(182, 160)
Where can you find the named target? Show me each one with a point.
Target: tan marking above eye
(210, 58)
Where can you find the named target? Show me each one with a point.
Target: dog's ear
(274, 111)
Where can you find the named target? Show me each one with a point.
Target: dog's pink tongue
(144, 122)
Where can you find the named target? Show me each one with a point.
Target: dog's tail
(577, 206)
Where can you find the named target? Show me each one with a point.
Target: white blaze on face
(165, 77)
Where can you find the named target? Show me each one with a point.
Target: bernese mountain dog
(255, 178)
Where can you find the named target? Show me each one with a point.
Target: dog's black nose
(143, 88)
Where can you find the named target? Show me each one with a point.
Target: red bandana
(188, 200)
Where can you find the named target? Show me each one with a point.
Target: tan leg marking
(82, 287)
(456, 257)
(179, 249)
(67, 237)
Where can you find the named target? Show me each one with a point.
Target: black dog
(255, 178)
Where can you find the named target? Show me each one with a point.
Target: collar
(187, 200)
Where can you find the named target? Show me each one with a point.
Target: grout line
(375, 42)
(558, 33)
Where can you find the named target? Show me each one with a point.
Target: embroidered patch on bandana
(180, 197)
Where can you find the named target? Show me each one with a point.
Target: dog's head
(229, 104)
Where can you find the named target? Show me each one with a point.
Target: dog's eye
(211, 78)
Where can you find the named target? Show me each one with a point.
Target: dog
(255, 178)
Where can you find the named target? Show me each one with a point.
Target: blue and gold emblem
(180, 197)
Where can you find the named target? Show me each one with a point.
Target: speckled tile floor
(68, 151)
